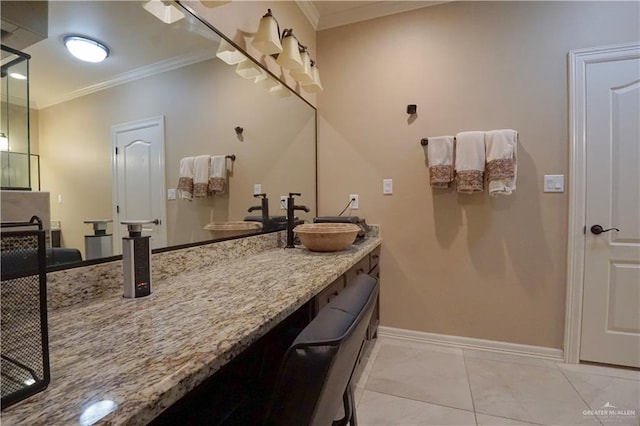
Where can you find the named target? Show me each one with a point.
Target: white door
(611, 303)
(139, 179)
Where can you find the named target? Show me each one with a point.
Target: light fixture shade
(267, 39)
(290, 56)
(86, 49)
(229, 54)
(4, 142)
(247, 69)
(280, 91)
(316, 86)
(304, 75)
(167, 13)
(265, 81)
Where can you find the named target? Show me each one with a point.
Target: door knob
(597, 229)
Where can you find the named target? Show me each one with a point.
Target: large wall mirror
(165, 77)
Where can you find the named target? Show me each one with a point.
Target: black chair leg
(348, 401)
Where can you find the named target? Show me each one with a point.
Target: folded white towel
(502, 167)
(440, 157)
(218, 174)
(201, 176)
(470, 162)
(185, 180)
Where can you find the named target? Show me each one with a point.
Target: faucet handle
(263, 195)
(294, 194)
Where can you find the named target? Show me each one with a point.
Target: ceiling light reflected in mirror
(86, 49)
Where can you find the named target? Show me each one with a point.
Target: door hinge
(584, 230)
(118, 209)
(116, 151)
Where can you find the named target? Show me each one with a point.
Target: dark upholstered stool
(316, 372)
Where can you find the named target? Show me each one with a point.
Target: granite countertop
(142, 355)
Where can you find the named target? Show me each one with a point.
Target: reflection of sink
(327, 236)
(231, 229)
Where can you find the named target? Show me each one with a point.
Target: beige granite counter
(142, 355)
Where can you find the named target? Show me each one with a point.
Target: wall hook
(239, 130)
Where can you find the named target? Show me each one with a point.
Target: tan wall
(202, 104)
(239, 21)
(459, 264)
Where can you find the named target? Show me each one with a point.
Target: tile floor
(403, 383)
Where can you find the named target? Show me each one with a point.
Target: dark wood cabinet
(370, 264)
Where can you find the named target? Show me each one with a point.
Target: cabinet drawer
(362, 267)
(374, 258)
(325, 296)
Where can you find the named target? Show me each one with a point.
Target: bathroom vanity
(124, 361)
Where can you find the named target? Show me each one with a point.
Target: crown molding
(371, 10)
(136, 74)
(310, 11)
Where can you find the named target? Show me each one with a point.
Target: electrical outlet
(353, 198)
(283, 202)
(257, 189)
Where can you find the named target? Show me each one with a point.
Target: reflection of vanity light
(17, 76)
(86, 49)
(166, 13)
(96, 411)
(29, 382)
(280, 91)
(266, 82)
(229, 54)
(247, 69)
(4, 142)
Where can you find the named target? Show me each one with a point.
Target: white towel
(470, 162)
(502, 168)
(218, 174)
(185, 181)
(201, 176)
(440, 156)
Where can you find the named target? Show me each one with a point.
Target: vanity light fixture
(17, 76)
(316, 86)
(247, 69)
(280, 91)
(265, 81)
(229, 54)
(167, 13)
(86, 49)
(4, 142)
(267, 39)
(304, 75)
(290, 57)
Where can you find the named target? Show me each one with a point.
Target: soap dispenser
(136, 259)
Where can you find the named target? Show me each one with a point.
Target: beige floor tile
(485, 420)
(616, 400)
(623, 373)
(527, 393)
(422, 374)
(386, 410)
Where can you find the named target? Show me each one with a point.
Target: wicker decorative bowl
(327, 236)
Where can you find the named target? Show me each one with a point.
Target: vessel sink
(231, 229)
(327, 237)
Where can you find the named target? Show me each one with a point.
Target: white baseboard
(540, 352)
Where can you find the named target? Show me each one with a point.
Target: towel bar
(231, 157)
(425, 141)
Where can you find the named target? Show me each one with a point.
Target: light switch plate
(387, 186)
(171, 194)
(553, 183)
(283, 202)
(257, 189)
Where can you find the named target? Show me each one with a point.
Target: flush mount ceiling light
(86, 49)
(167, 13)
